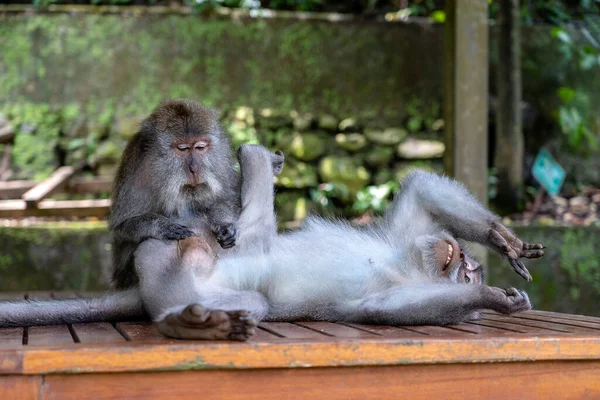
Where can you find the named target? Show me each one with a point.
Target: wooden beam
(14, 189)
(54, 208)
(466, 93)
(45, 188)
(7, 134)
(96, 185)
(466, 98)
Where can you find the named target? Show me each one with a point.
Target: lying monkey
(408, 269)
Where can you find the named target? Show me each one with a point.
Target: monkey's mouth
(450, 254)
(452, 251)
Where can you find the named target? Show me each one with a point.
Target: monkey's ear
(277, 160)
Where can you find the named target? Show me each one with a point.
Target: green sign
(548, 172)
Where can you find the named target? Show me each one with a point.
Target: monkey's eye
(183, 147)
(200, 145)
(467, 279)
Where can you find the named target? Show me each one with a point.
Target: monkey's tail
(112, 306)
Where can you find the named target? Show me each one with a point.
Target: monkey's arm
(257, 222)
(145, 226)
(450, 205)
(438, 304)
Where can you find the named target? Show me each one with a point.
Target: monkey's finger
(533, 246)
(227, 244)
(500, 243)
(532, 254)
(520, 269)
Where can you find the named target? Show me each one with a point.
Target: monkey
(410, 268)
(176, 179)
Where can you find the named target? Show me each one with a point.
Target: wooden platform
(530, 355)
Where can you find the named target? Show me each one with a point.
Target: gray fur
(385, 273)
(330, 270)
(150, 197)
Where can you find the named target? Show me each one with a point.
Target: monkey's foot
(226, 234)
(196, 322)
(507, 301)
(512, 248)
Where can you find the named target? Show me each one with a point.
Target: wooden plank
(562, 321)
(574, 317)
(52, 335)
(179, 355)
(262, 335)
(11, 338)
(513, 327)
(13, 189)
(20, 387)
(55, 208)
(99, 332)
(140, 331)
(292, 331)
(96, 185)
(416, 382)
(337, 330)
(390, 331)
(45, 188)
(544, 324)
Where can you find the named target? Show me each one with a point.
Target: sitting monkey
(408, 269)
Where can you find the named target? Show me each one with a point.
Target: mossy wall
(136, 62)
(567, 279)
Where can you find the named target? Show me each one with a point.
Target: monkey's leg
(177, 297)
(257, 221)
(438, 304)
(427, 196)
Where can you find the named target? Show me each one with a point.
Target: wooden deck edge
(132, 357)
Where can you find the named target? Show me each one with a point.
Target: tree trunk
(508, 158)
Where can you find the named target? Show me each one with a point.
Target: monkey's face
(454, 264)
(191, 156)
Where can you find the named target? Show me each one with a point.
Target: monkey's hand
(226, 234)
(506, 301)
(512, 248)
(176, 232)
